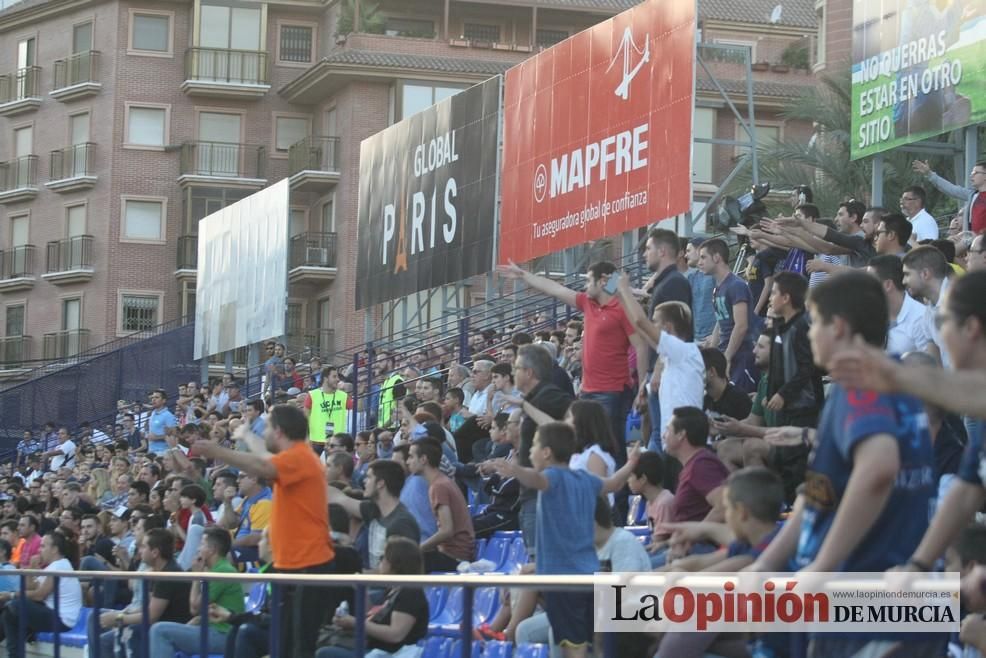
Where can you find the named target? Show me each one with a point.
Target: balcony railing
(14, 351)
(72, 162)
(78, 69)
(314, 153)
(63, 344)
(17, 262)
(70, 254)
(188, 252)
(19, 173)
(313, 250)
(20, 85)
(223, 159)
(221, 65)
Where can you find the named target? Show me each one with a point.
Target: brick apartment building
(123, 123)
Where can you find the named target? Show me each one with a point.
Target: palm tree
(824, 161)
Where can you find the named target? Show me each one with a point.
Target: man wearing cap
(326, 409)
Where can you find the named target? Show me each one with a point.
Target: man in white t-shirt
(926, 276)
(908, 330)
(64, 453)
(912, 202)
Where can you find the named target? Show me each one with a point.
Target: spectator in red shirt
(606, 341)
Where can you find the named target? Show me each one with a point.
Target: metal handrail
(70, 254)
(360, 582)
(315, 153)
(21, 84)
(19, 173)
(223, 159)
(71, 161)
(226, 65)
(77, 69)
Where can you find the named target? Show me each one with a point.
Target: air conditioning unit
(317, 255)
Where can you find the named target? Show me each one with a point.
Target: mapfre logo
(626, 53)
(614, 154)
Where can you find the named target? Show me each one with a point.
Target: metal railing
(20, 85)
(17, 262)
(244, 67)
(314, 153)
(19, 173)
(72, 161)
(188, 252)
(354, 588)
(313, 250)
(70, 254)
(14, 351)
(223, 159)
(78, 69)
(66, 343)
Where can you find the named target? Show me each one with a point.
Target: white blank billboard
(241, 292)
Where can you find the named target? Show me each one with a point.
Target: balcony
(19, 179)
(222, 163)
(70, 260)
(308, 343)
(17, 268)
(71, 168)
(65, 344)
(313, 163)
(14, 351)
(20, 91)
(188, 258)
(76, 76)
(226, 73)
(312, 258)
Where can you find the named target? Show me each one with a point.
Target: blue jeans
(335, 652)
(528, 524)
(247, 641)
(167, 637)
(37, 618)
(654, 411)
(110, 586)
(617, 406)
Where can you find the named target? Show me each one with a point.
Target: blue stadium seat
(179, 654)
(455, 649)
(516, 556)
(485, 603)
(639, 530)
(451, 612)
(256, 597)
(480, 545)
(436, 601)
(495, 550)
(436, 647)
(637, 511)
(495, 649)
(508, 534)
(532, 651)
(76, 637)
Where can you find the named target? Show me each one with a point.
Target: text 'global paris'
(428, 158)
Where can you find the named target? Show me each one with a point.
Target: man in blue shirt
(161, 425)
(733, 303)
(870, 481)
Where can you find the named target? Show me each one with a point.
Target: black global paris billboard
(427, 197)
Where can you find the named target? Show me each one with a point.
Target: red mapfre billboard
(597, 132)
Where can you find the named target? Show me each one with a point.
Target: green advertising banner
(918, 70)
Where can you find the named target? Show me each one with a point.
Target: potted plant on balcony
(795, 56)
(371, 20)
(760, 66)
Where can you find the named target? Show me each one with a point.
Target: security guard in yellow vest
(390, 392)
(327, 409)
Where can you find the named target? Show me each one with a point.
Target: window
(75, 220)
(72, 315)
(26, 50)
(293, 319)
(15, 320)
(138, 312)
(82, 38)
(297, 43)
(203, 201)
(705, 121)
(548, 38)
(822, 33)
(188, 299)
(328, 216)
(147, 126)
(143, 220)
(23, 141)
(150, 32)
(289, 130)
(417, 97)
(296, 222)
(19, 231)
(410, 27)
(235, 28)
(481, 32)
(739, 45)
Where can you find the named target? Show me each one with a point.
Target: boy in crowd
(722, 397)
(565, 528)
(794, 385)
(647, 480)
(454, 400)
(453, 541)
(869, 483)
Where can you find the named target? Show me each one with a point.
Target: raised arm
(539, 283)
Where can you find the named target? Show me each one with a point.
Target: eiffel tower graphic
(400, 260)
(627, 47)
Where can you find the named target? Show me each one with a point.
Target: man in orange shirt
(299, 523)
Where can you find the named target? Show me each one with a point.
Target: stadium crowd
(816, 407)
